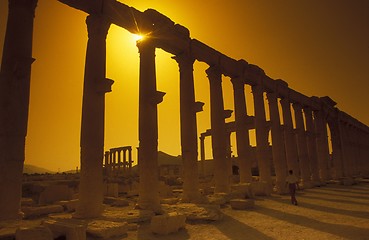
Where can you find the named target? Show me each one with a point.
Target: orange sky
(319, 47)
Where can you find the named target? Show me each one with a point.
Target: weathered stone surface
(33, 212)
(347, 181)
(69, 206)
(167, 223)
(72, 229)
(118, 202)
(242, 204)
(261, 188)
(196, 212)
(169, 201)
(218, 198)
(54, 193)
(127, 215)
(27, 202)
(244, 190)
(106, 229)
(36, 233)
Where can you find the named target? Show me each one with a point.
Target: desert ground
(330, 212)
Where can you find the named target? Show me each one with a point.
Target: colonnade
(118, 161)
(303, 149)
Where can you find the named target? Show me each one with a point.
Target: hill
(31, 169)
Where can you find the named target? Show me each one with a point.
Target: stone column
(15, 75)
(218, 138)
(278, 151)
(242, 133)
(93, 114)
(188, 128)
(302, 146)
(311, 142)
(202, 154)
(336, 149)
(289, 137)
(262, 144)
(322, 145)
(149, 98)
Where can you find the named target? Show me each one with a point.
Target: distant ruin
(303, 149)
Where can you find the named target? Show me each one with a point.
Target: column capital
(184, 59)
(238, 83)
(271, 96)
(214, 73)
(97, 26)
(145, 45)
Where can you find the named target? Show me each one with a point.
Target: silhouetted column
(15, 77)
(149, 98)
(302, 146)
(322, 145)
(218, 138)
(202, 154)
(311, 142)
(262, 144)
(242, 133)
(93, 114)
(188, 129)
(289, 137)
(278, 151)
(336, 150)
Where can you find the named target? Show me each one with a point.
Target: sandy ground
(330, 212)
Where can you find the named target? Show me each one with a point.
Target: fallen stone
(69, 206)
(261, 188)
(196, 212)
(243, 190)
(27, 202)
(169, 201)
(107, 229)
(131, 216)
(34, 212)
(242, 204)
(72, 229)
(35, 233)
(167, 223)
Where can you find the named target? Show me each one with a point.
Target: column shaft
(93, 114)
(242, 133)
(278, 151)
(15, 78)
(202, 154)
(302, 146)
(262, 144)
(148, 128)
(188, 128)
(322, 145)
(311, 142)
(219, 144)
(289, 137)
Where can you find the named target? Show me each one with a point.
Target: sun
(137, 37)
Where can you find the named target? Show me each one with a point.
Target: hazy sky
(319, 47)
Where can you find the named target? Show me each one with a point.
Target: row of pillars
(118, 161)
(15, 79)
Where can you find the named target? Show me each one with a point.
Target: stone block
(69, 206)
(167, 223)
(72, 229)
(347, 181)
(261, 188)
(35, 233)
(27, 202)
(54, 193)
(244, 190)
(242, 204)
(169, 201)
(196, 212)
(34, 212)
(106, 229)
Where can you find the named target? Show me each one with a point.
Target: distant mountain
(166, 159)
(30, 169)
